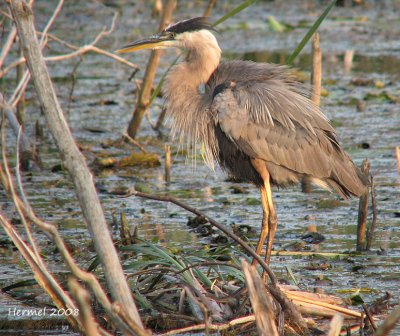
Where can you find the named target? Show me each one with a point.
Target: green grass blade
(310, 33)
(234, 11)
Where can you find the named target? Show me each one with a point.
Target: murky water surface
(103, 99)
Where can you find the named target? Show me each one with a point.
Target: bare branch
(26, 146)
(213, 223)
(73, 160)
(7, 45)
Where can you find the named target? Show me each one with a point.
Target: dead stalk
(7, 45)
(371, 229)
(167, 163)
(369, 316)
(363, 212)
(316, 73)
(212, 326)
(389, 324)
(82, 298)
(316, 78)
(134, 142)
(335, 326)
(209, 8)
(260, 301)
(145, 90)
(397, 153)
(19, 91)
(72, 159)
(26, 146)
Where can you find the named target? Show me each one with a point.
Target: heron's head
(193, 34)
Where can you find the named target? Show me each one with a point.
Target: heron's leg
(272, 220)
(264, 225)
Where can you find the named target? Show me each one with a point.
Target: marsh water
(361, 99)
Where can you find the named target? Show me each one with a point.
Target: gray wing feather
(263, 130)
(268, 117)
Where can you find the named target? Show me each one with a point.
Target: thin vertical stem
(362, 212)
(151, 69)
(316, 73)
(167, 163)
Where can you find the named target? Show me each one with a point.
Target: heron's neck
(194, 71)
(186, 106)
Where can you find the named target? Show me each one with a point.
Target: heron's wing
(273, 121)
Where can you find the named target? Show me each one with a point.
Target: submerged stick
(371, 229)
(363, 212)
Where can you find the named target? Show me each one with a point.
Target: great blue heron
(255, 119)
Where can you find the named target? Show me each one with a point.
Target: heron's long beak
(153, 42)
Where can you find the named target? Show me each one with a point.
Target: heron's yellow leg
(270, 222)
(264, 224)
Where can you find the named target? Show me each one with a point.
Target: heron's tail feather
(347, 179)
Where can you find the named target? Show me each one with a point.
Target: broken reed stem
(371, 229)
(167, 163)
(363, 212)
(134, 142)
(8, 44)
(292, 296)
(26, 146)
(82, 299)
(316, 73)
(316, 78)
(209, 8)
(348, 60)
(212, 326)
(73, 159)
(370, 318)
(151, 69)
(335, 326)
(260, 301)
(389, 323)
(397, 153)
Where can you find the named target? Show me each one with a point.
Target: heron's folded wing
(276, 124)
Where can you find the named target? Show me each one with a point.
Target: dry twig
(335, 325)
(260, 301)
(73, 160)
(363, 212)
(389, 324)
(145, 90)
